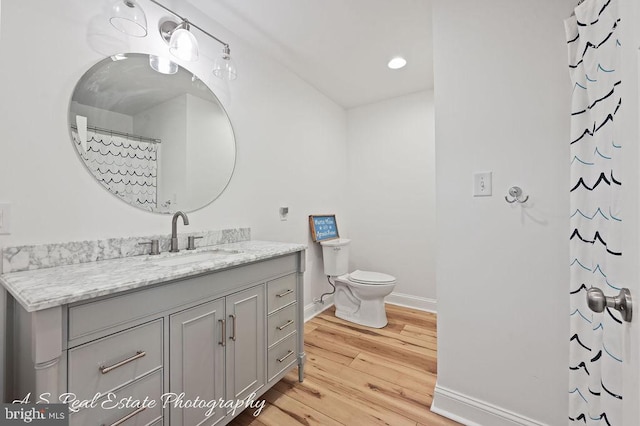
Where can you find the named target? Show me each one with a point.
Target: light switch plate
(482, 184)
(5, 218)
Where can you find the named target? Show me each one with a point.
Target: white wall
(629, 122)
(502, 103)
(208, 133)
(391, 164)
(167, 121)
(97, 117)
(279, 122)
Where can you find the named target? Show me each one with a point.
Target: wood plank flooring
(356, 375)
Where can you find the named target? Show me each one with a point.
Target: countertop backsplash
(26, 258)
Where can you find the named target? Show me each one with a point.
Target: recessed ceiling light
(397, 63)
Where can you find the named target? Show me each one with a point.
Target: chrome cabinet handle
(104, 370)
(285, 325)
(223, 334)
(284, 293)
(597, 301)
(127, 417)
(233, 336)
(289, 353)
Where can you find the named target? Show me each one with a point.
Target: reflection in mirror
(158, 141)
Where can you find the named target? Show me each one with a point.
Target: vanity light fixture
(183, 44)
(397, 63)
(129, 18)
(162, 65)
(224, 67)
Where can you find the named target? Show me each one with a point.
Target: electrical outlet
(5, 218)
(482, 184)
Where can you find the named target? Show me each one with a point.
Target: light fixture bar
(226, 45)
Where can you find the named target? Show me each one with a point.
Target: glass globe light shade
(129, 18)
(183, 45)
(162, 65)
(224, 67)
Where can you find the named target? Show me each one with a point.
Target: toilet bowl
(359, 295)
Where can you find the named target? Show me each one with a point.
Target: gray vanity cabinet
(217, 343)
(196, 360)
(246, 342)
(217, 336)
(283, 332)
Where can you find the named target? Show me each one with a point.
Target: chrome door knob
(597, 301)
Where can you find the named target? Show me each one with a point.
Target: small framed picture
(323, 227)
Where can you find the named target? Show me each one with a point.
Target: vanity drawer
(281, 323)
(281, 292)
(108, 363)
(89, 318)
(281, 356)
(106, 411)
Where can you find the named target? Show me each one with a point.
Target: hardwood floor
(356, 375)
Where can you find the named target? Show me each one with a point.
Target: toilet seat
(371, 278)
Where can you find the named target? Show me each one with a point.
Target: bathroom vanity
(163, 339)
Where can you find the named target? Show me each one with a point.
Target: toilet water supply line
(320, 300)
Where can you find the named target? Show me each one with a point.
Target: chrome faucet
(174, 230)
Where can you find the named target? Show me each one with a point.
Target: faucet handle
(191, 242)
(155, 246)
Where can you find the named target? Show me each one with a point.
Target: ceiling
(130, 86)
(341, 47)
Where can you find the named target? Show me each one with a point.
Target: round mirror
(152, 133)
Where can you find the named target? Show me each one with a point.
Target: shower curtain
(126, 167)
(595, 340)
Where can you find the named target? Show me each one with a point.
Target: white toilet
(359, 296)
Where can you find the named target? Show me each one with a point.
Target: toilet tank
(335, 254)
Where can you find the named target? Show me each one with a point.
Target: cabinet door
(246, 343)
(196, 359)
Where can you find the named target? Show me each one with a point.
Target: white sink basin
(184, 259)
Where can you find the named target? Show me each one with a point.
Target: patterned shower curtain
(126, 167)
(595, 386)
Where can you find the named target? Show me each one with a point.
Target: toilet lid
(368, 277)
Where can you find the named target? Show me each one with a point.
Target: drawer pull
(223, 338)
(285, 325)
(289, 353)
(127, 417)
(233, 336)
(283, 294)
(105, 370)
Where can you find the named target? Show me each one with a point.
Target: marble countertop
(49, 287)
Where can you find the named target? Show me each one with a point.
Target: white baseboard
(474, 412)
(415, 302)
(313, 309)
